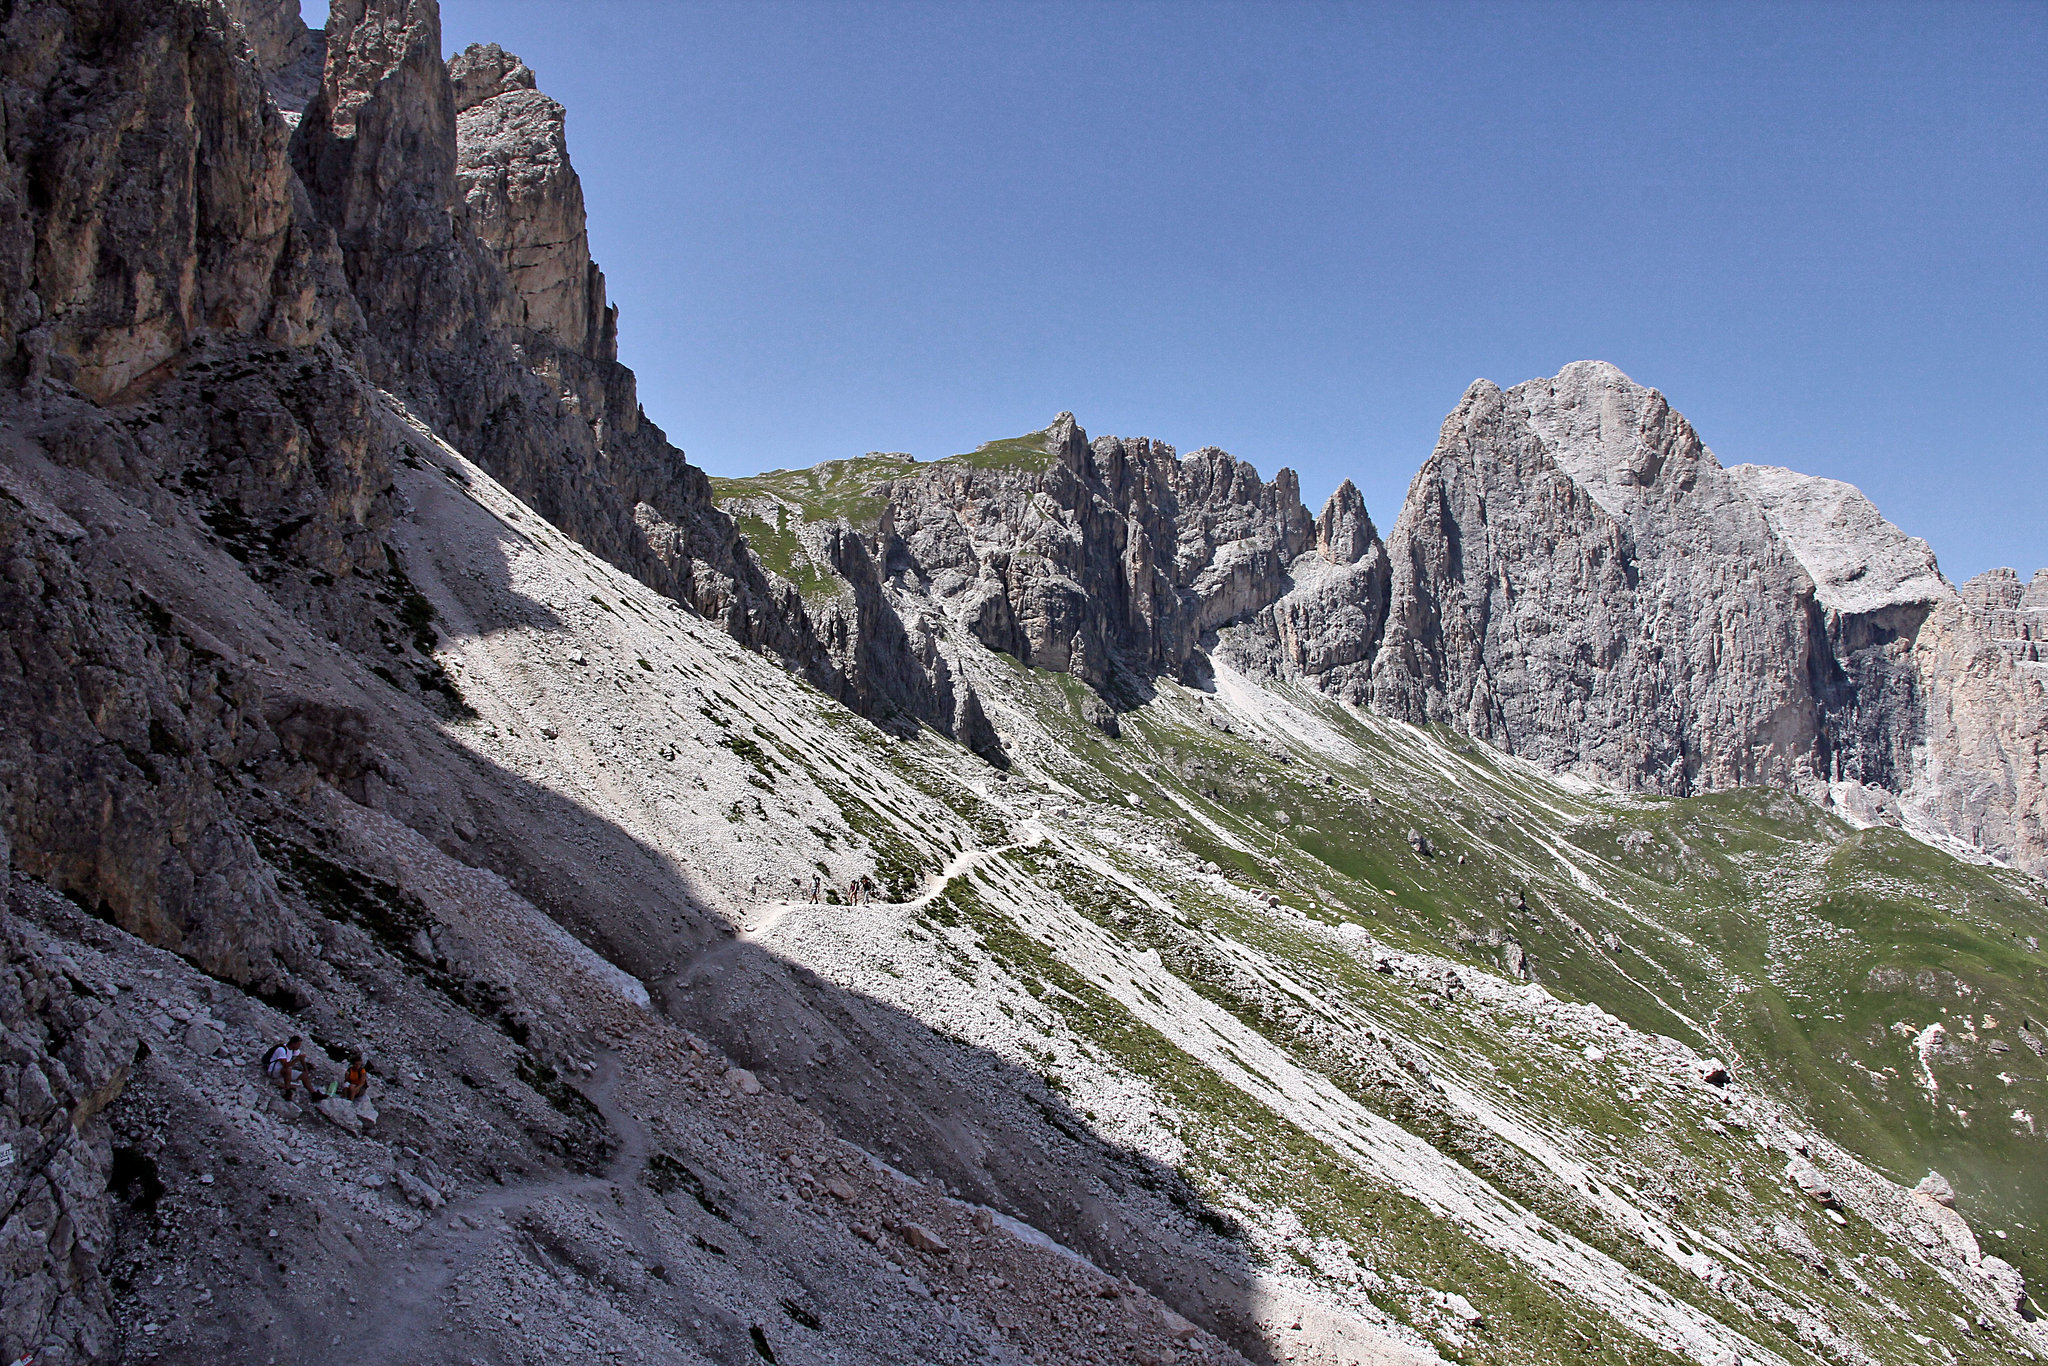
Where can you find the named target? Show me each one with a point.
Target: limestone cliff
(461, 229)
(1108, 559)
(1980, 773)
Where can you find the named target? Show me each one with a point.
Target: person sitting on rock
(355, 1082)
(285, 1065)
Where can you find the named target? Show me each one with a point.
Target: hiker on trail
(355, 1082)
(867, 889)
(817, 883)
(285, 1065)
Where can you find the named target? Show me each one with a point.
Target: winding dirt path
(403, 1304)
(773, 913)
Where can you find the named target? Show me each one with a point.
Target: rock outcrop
(1327, 624)
(68, 1054)
(522, 199)
(1576, 580)
(1109, 559)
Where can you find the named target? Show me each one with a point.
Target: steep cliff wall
(461, 229)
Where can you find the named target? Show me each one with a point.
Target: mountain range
(1064, 901)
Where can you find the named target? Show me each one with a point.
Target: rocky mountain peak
(1066, 442)
(524, 201)
(484, 71)
(2011, 613)
(1344, 530)
(370, 41)
(1614, 437)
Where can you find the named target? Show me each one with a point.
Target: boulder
(204, 1039)
(341, 1113)
(2006, 1278)
(1459, 1308)
(923, 1239)
(1808, 1178)
(418, 1192)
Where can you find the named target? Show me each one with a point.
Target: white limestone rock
(1858, 561)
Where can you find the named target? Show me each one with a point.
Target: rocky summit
(1063, 902)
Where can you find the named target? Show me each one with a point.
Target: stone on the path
(744, 1082)
(838, 1189)
(204, 1039)
(419, 1192)
(1935, 1187)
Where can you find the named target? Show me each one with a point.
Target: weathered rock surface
(1113, 559)
(463, 237)
(1859, 562)
(522, 199)
(284, 51)
(1980, 772)
(1572, 577)
(65, 1054)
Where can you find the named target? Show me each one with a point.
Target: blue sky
(1299, 230)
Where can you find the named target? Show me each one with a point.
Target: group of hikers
(289, 1068)
(859, 892)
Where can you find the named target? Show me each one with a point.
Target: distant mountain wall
(1573, 577)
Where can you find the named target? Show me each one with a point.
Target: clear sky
(1299, 230)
